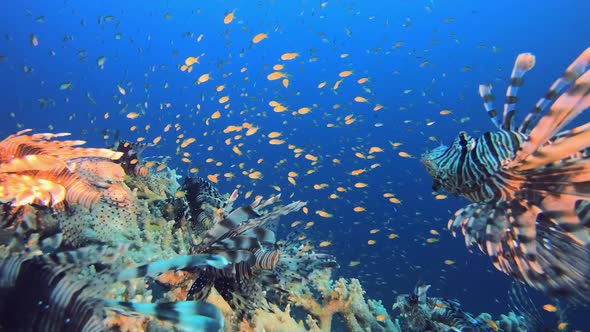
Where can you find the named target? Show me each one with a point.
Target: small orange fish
(203, 78)
(357, 171)
(213, 178)
(259, 37)
(405, 154)
(345, 73)
(132, 115)
(228, 18)
(255, 175)
(289, 56)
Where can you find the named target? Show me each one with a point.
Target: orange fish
(228, 18)
(289, 56)
(259, 37)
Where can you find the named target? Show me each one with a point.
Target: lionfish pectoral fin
(188, 315)
(568, 144)
(155, 268)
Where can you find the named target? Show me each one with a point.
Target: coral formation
(82, 196)
(418, 312)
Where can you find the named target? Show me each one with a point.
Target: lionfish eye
(463, 138)
(465, 141)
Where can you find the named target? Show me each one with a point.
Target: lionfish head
(437, 166)
(430, 161)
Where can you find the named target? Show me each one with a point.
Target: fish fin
(524, 62)
(575, 70)
(182, 262)
(485, 91)
(567, 106)
(188, 315)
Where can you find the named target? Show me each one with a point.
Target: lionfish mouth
(428, 160)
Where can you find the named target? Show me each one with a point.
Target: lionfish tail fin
(524, 62)
(188, 315)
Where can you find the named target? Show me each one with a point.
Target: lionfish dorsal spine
(524, 62)
(575, 70)
(569, 105)
(485, 91)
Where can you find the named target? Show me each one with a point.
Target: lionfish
(418, 312)
(130, 157)
(45, 293)
(258, 268)
(529, 187)
(35, 169)
(42, 173)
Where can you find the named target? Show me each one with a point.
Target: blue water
(156, 37)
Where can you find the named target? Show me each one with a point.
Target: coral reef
(58, 198)
(418, 312)
(341, 297)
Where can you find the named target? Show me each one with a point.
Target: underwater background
(408, 73)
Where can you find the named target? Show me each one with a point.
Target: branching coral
(344, 298)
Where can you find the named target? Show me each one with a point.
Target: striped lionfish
(418, 312)
(259, 268)
(529, 187)
(44, 292)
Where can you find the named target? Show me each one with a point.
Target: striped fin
(188, 315)
(485, 91)
(46, 297)
(131, 157)
(527, 242)
(569, 105)
(266, 259)
(578, 139)
(223, 228)
(247, 239)
(575, 70)
(177, 263)
(524, 62)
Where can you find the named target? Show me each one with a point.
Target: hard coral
(345, 298)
